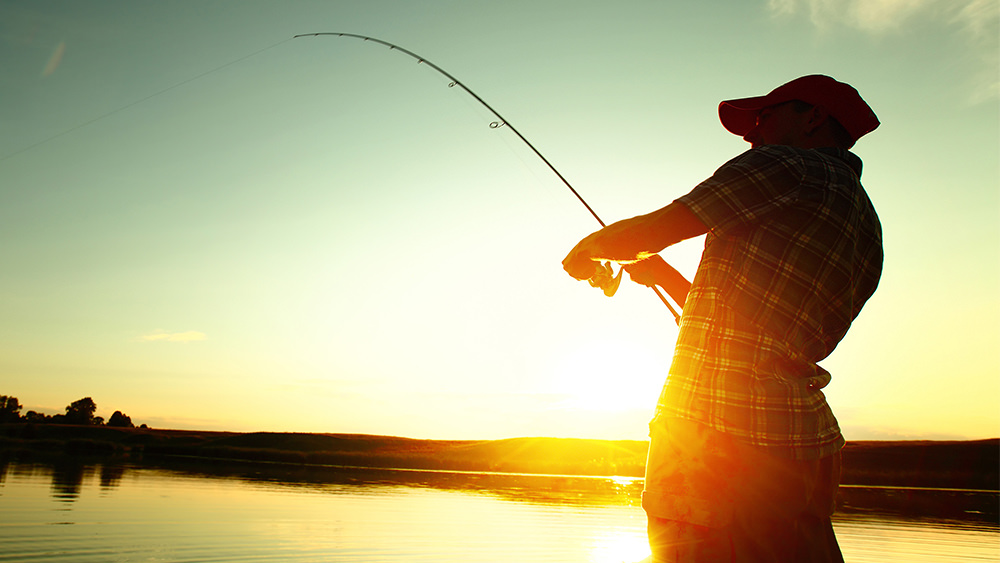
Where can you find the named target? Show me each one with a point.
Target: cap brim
(841, 100)
(740, 116)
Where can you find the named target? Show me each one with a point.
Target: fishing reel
(606, 279)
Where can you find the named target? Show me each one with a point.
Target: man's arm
(633, 239)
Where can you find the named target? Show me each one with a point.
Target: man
(744, 456)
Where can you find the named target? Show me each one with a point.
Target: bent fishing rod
(501, 121)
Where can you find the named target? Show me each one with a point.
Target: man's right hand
(648, 271)
(655, 271)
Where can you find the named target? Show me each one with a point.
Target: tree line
(80, 412)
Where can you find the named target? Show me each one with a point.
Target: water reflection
(949, 504)
(182, 510)
(68, 475)
(945, 504)
(111, 475)
(538, 489)
(67, 478)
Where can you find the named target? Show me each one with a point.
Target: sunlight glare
(620, 546)
(622, 377)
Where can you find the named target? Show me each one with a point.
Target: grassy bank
(964, 465)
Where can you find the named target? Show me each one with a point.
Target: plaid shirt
(794, 250)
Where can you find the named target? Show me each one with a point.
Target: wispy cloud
(162, 336)
(868, 15)
(980, 21)
(976, 21)
(978, 17)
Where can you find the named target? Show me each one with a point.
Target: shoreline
(921, 464)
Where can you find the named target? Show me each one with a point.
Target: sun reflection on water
(620, 546)
(182, 511)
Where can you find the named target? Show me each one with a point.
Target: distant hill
(958, 464)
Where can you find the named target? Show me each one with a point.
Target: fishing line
(501, 122)
(137, 102)
(530, 166)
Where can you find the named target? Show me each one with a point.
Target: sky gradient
(207, 224)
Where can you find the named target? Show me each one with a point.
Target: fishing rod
(502, 121)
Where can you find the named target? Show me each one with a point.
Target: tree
(120, 420)
(10, 409)
(32, 416)
(81, 412)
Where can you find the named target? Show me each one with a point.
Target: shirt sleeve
(748, 188)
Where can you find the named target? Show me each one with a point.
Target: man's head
(808, 112)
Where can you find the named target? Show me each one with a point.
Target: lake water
(71, 511)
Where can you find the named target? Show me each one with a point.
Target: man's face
(778, 125)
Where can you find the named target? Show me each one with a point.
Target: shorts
(711, 498)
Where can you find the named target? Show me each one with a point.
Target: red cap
(841, 100)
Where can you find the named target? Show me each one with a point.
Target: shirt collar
(847, 156)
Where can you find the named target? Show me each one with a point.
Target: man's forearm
(676, 285)
(645, 235)
(633, 239)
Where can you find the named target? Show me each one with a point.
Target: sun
(621, 377)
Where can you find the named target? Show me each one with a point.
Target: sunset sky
(207, 224)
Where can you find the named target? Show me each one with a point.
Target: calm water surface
(69, 511)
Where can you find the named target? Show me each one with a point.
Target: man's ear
(816, 117)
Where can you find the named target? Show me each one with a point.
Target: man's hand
(623, 241)
(633, 239)
(583, 262)
(649, 271)
(654, 270)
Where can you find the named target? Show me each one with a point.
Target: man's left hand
(581, 262)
